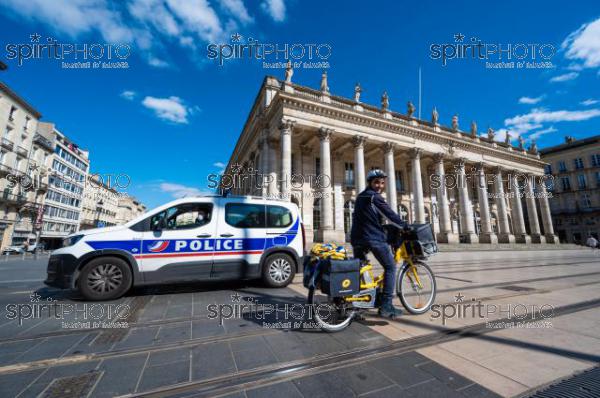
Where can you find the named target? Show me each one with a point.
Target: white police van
(189, 239)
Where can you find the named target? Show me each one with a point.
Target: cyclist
(367, 234)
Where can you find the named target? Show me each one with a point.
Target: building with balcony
(315, 148)
(68, 173)
(23, 166)
(100, 204)
(129, 208)
(575, 187)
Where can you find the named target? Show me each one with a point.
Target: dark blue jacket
(370, 210)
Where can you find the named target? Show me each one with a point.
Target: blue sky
(174, 115)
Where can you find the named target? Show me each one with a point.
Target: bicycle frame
(369, 283)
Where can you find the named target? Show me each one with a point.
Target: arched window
(348, 211)
(316, 217)
(494, 222)
(403, 212)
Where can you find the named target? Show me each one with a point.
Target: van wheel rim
(280, 270)
(105, 278)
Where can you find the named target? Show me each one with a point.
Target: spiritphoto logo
(520, 315)
(495, 55)
(71, 55)
(273, 55)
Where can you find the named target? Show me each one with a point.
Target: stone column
(286, 159)
(466, 207)
(390, 170)
(327, 233)
(504, 235)
(517, 210)
(272, 161)
(417, 185)
(263, 167)
(546, 216)
(534, 223)
(445, 235)
(359, 162)
(486, 235)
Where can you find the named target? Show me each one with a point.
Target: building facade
(69, 167)
(100, 204)
(315, 148)
(575, 204)
(129, 208)
(25, 149)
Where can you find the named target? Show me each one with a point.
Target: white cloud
(237, 8)
(128, 95)
(171, 109)
(149, 25)
(275, 8)
(219, 164)
(530, 100)
(564, 77)
(589, 101)
(158, 63)
(179, 190)
(583, 45)
(75, 17)
(539, 133)
(539, 115)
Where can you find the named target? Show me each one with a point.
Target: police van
(190, 239)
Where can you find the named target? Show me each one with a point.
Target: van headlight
(71, 240)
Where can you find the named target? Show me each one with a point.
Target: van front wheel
(278, 270)
(104, 278)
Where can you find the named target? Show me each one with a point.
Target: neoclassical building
(315, 148)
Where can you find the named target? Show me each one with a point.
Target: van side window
(183, 216)
(278, 217)
(243, 215)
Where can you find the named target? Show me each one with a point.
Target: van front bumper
(60, 270)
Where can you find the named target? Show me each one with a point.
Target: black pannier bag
(340, 277)
(421, 240)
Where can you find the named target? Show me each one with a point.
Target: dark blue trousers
(383, 254)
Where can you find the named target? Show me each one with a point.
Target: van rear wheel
(278, 270)
(104, 278)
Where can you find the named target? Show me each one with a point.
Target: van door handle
(203, 236)
(226, 235)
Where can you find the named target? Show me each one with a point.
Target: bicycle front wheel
(416, 287)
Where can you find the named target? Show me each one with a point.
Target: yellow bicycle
(415, 282)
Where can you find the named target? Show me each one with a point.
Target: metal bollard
(6, 256)
(23, 255)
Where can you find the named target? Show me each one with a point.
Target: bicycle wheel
(331, 314)
(416, 296)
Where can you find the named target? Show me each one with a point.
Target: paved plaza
(170, 341)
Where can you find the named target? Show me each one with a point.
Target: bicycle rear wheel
(331, 314)
(416, 292)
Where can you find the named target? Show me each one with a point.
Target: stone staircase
(458, 247)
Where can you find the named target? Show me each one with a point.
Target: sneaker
(389, 311)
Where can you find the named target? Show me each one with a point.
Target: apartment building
(129, 208)
(100, 204)
(64, 199)
(575, 186)
(26, 147)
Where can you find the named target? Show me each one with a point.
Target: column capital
(324, 133)
(388, 147)
(439, 157)
(286, 126)
(358, 141)
(460, 163)
(415, 153)
(479, 166)
(497, 170)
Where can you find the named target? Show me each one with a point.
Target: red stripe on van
(197, 254)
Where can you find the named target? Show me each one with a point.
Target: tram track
(194, 342)
(280, 372)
